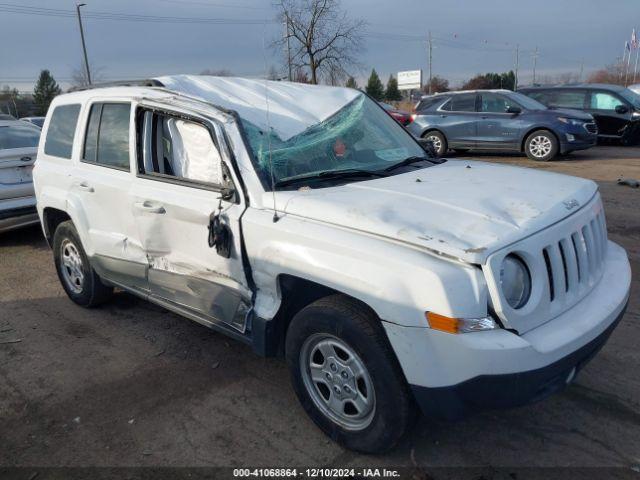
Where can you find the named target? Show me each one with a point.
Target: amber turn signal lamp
(442, 323)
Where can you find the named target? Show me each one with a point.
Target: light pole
(84, 47)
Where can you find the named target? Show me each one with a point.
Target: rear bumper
(509, 390)
(18, 213)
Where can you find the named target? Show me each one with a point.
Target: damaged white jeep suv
(306, 222)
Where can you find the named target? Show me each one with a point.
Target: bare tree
(79, 75)
(323, 39)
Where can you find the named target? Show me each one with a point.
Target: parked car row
(501, 120)
(542, 122)
(387, 278)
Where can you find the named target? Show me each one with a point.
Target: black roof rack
(150, 82)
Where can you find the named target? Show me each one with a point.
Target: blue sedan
(501, 120)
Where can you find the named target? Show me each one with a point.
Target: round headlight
(515, 281)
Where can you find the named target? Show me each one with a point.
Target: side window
(493, 103)
(107, 138)
(181, 149)
(569, 99)
(542, 97)
(463, 103)
(61, 131)
(604, 101)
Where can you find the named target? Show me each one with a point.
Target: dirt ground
(130, 384)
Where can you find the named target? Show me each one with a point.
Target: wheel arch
(528, 133)
(51, 218)
(296, 293)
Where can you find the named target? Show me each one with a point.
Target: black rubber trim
(509, 390)
(17, 212)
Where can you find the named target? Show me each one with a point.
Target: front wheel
(346, 376)
(541, 146)
(438, 141)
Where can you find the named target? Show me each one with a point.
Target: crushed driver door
(188, 213)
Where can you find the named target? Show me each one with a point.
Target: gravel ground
(130, 384)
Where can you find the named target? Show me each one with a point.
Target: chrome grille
(591, 127)
(574, 262)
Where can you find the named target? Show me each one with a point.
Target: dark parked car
(500, 120)
(616, 109)
(403, 118)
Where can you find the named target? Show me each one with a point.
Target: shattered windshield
(359, 136)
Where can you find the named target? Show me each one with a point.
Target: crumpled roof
(292, 107)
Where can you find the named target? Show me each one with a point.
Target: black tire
(89, 291)
(439, 141)
(541, 138)
(350, 322)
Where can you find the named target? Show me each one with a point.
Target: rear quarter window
(61, 131)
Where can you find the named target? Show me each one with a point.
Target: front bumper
(452, 375)
(509, 390)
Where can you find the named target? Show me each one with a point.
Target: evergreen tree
(44, 92)
(351, 83)
(392, 93)
(374, 87)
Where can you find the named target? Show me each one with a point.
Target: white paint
(429, 240)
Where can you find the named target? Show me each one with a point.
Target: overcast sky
(470, 36)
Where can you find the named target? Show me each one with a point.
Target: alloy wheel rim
(72, 269)
(540, 146)
(437, 143)
(337, 381)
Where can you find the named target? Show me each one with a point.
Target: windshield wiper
(410, 160)
(329, 175)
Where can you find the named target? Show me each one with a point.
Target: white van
(306, 222)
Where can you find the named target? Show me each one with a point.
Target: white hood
(464, 209)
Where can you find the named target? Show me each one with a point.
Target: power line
(101, 15)
(214, 5)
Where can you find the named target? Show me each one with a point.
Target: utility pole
(581, 70)
(430, 61)
(287, 36)
(535, 64)
(84, 46)
(515, 83)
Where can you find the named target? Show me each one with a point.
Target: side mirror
(622, 109)
(513, 109)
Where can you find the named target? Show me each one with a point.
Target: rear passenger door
(458, 120)
(183, 178)
(102, 182)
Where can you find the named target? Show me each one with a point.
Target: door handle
(484, 117)
(443, 116)
(150, 207)
(84, 186)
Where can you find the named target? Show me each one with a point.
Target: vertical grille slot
(572, 267)
(564, 267)
(556, 272)
(575, 253)
(590, 249)
(547, 262)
